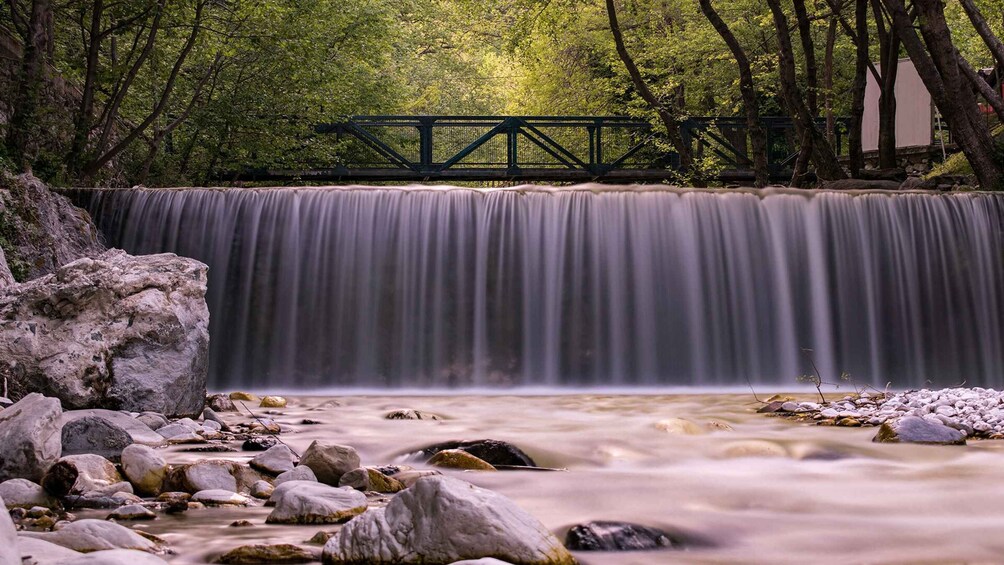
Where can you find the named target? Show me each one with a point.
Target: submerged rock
(410, 414)
(914, 429)
(459, 459)
(329, 461)
(29, 436)
(116, 557)
(442, 520)
(96, 435)
(616, 536)
(679, 426)
(260, 553)
(259, 443)
(132, 512)
(95, 535)
(492, 451)
(135, 329)
(305, 502)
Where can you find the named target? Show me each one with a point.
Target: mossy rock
(458, 459)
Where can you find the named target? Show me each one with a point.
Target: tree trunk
(980, 23)
(937, 65)
(758, 137)
(85, 111)
(831, 43)
(665, 114)
(827, 166)
(862, 58)
(806, 143)
(23, 131)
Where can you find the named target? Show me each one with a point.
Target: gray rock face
(275, 460)
(92, 434)
(29, 436)
(212, 474)
(914, 429)
(115, 331)
(442, 520)
(95, 535)
(616, 536)
(306, 502)
(137, 430)
(329, 461)
(144, 468)
(47, 230)
(153, 420)
(6, 277)
(8, 538)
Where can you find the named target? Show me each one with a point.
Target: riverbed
(747, 488)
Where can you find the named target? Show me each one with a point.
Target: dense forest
(124, 92)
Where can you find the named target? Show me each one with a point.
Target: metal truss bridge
(522, 149)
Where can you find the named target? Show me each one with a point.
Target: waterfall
(616, 286)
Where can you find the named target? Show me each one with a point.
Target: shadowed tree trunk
(667, 113)
(861, 62)
(936, 60)
(889, 45)
(811, 91)
(827, 166)
(758, 137)
(23, 131)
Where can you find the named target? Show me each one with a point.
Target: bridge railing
(544, 148)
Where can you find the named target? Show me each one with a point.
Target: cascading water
(432, 287)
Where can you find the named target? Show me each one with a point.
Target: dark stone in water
(92, 434)
(491, 450)
(212, 449)
(771, 408)
(259, 443)
(914, 429)
(310, 422)
(221, 403)
(616, 536)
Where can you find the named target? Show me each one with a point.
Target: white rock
(144, 468)
(22, 493)
(30, 438)
(138, 326)
(442, 520)
(307, 502)
(40, 552)
(216, 497)
(95, 535)
(8, 538)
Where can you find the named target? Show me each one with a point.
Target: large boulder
(22, 493)
(211, 474)
(39, 552)
(329, 461)
(29, 436)
(8, 538)
(94, 435)
(914, 429)
(307, 502)
(442, 520)
(115, 331)
(144, 468)
(85, 474)
(275, 460)
(137, 430)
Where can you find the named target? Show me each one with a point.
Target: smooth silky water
(639, 288)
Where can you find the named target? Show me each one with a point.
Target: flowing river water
(768, 491)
